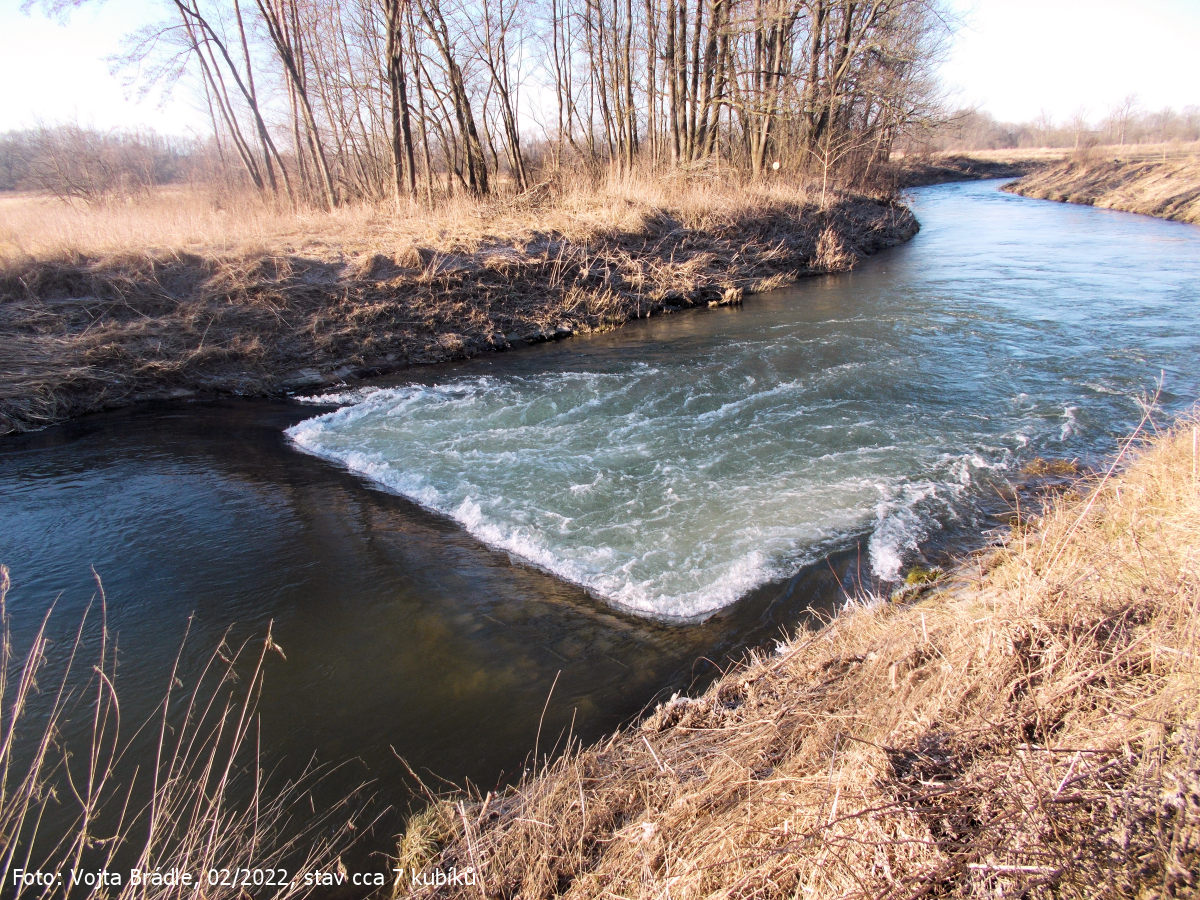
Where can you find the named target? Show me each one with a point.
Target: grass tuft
(1039, 467)
(199, 801)
(1030, 728)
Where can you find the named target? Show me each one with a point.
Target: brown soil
(1165, 183)
(1031, 729)
(81, 333)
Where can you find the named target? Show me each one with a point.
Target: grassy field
(189, 294)
(1161, 181)
(1030, 728)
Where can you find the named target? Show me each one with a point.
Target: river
(476, 556)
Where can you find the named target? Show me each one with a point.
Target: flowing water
(476, 557)
(672, 470)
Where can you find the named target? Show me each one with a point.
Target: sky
(55, 70)
(1019, 58)
(1015, 59)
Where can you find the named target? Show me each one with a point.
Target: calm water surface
(610, 516)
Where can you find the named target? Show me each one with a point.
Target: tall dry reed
(201, 804)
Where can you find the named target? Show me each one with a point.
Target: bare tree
(404, 166)
(331, 100)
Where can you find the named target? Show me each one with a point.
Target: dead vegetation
(1029, 730)
(85, 791)
(919, 169)
(1163, 181)
(1039, 467)
(86, 325)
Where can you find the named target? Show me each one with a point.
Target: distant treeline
(77, 163)
(1124, 124)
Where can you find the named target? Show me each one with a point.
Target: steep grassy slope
(1166, 185)
(1030, 729)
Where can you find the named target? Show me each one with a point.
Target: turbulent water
(672, 473)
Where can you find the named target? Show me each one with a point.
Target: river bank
(1162, 182)
(88, 328)
(1029, 726)
(922, 170)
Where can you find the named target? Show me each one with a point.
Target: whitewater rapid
(667, 502)
(676, 466)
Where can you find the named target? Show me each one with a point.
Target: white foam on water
(1101, 388)
(909, 512)
(339, 398)
(668, 498)
(1070, 422)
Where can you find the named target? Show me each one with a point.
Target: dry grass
(41, 227)
(1050, 155)
(1162, 181)
(200, 802)
(1135, 178)
(116, 308)
(916, 170)
(1029, 730)
(1044, 156)
(172, 221)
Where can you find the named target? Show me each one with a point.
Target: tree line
(331, 101)
(1126, 123)
(78, 163)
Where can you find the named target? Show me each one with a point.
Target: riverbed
(471, 558)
